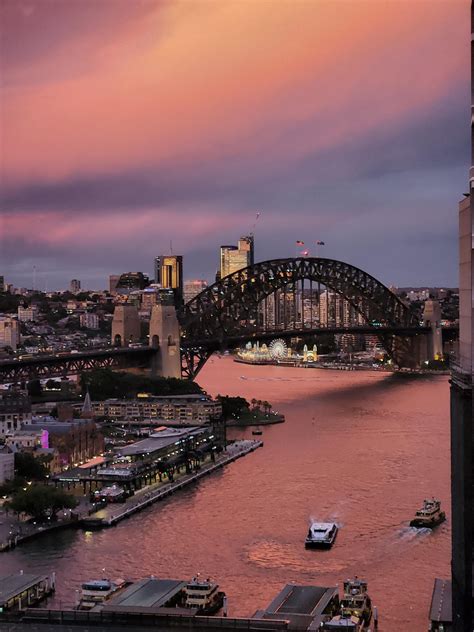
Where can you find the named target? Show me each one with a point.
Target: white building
(88, 320)
(27, 314)
(21, 439)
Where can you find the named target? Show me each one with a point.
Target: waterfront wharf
(111, 515)
(22, 590)
(41, 620)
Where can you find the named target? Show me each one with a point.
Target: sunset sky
(127, 124)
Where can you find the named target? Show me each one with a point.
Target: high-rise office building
(462, 426)
(2, 284)
(169, 274)
(193, 288)
(235, 258)
(113, 282)
(131, 281)
(75, 286)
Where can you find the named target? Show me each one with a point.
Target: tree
(233, 407)
(105, 384)
(34, 388)
(30, 467)
(41, 502)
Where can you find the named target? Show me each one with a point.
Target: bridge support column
(165, 336)
(432, 319)
(125, 325)
(411, 351)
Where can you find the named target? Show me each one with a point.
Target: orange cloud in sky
(194, 81)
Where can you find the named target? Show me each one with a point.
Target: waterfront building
(15, 412)
(9, 333)
(2, 284)
(180, 409)
(193, 288)
(7, 464)
(235, 258)
(75, 286)
(167, 443)
(76, 440)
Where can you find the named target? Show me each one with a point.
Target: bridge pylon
(165, 336)
(432, 319)
(125, 325)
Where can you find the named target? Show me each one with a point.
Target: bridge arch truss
(230, 310)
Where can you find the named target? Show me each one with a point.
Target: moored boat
(96, 591)
(321, 535)
(257, 431)
(355, 610)
(203, 595)
(430, 515)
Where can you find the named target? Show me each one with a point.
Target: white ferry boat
(429, 515)
(203, 595)
(96, 591)
(321, 535)
(355, 610)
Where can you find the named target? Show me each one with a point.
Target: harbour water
(359, 448)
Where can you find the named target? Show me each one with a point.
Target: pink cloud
(222, 80)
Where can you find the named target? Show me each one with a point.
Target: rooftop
(160, 440)
(440, 609)
(13, 585)
(146, 593)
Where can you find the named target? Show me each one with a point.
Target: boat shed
(20, 591)
(441, 616)
(147, 595)
(304, 607)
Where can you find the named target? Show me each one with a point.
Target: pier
(113, 515)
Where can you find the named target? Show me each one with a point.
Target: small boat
(257, 431)
(355, 609)
(321, 535)
(97, 591)
(203, 595)
(429, 515)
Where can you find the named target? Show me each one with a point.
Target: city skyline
(159, 123)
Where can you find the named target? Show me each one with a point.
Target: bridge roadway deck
(62, 364)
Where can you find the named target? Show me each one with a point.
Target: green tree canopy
(41, 502)
(31, 468)
(233, 407)
(105, 384)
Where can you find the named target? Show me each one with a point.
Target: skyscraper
(169, 274)
(234, 258)
(193, 288)
(462, 426)
(75, 286)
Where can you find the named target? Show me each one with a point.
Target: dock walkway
(112, 516)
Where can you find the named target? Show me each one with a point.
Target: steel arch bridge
(229, 311)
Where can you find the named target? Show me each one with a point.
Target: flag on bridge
(300, 243)
(320, 243)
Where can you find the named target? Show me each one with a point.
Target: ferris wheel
(278, 348)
